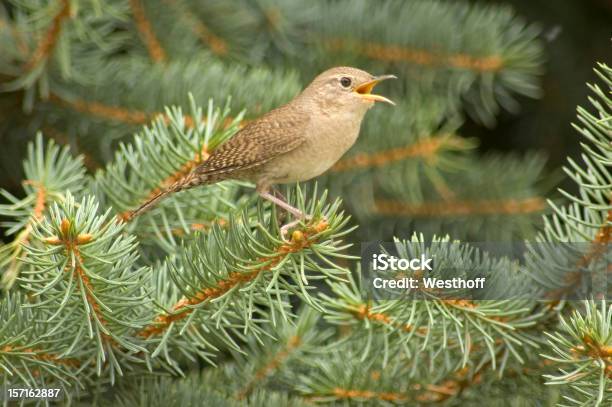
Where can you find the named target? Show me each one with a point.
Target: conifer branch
(395, 53)
(90, 162)
(124, 115)
(50, 171)
(12, 271)
(97, 109)
(510, 206)
(423, 316)
(426, 149)
(154, 47)
(71, 244)
(300, 241)
(271, 366)
(216, 44)
(49, 40)
(587, 222)
(274, 359)
(597, 249)
(583, 351)
(29, 351)
(367, 395)
(344, 376)
(22, 45)
(39, 354)
(85, 267)
(364, 312)
(178, 149)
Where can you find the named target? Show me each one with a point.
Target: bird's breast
(326, 142)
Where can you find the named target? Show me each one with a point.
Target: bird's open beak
(364, 90)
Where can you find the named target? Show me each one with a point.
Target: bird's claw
(284, 230)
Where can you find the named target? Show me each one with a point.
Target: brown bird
(295, 142)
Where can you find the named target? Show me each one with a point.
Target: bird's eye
(346, 82)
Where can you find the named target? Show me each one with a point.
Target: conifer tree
(201, 301)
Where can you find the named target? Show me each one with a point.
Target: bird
(292, 143)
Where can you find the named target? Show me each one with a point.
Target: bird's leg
(265, 194)
(279, 202)
(277, 193)
(280, 215)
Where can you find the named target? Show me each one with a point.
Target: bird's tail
(185, 183)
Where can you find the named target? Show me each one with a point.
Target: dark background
(583, 31)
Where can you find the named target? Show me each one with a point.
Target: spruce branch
(162, 155)
(211, 388)
(273, 362)
(125, 115)
(583, 349)
(493, 329)
(50, 38)
(466, 203)
(344, 377)
(101, 110)
(484, 73)
(152, 86)
(461, 208)
(83, 266)
(205, 34)
(29, 354)
(154, 48)
(426, 149)
(393, 53)
(231, 279)
(50, 171)
(63, 38)
(585, 225)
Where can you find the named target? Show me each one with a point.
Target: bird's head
(346, 88)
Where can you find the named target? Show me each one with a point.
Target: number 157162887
(13, 394)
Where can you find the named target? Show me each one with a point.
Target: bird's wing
(279, 131)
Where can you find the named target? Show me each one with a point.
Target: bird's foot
(284, 230)
(288, 226)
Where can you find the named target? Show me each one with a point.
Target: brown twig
(71, 245)
(265, 371)
(156, 51)
(217, 45)
(170, 180)
(364, 312)
(509, 206)
(23, 237)
(351, 394)
(49, 40)
(596, 351)
(599, 246)
(125, 115)
(397, 53)
(425, 148)
(182, 308)
(114, 113)
(41, 355)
